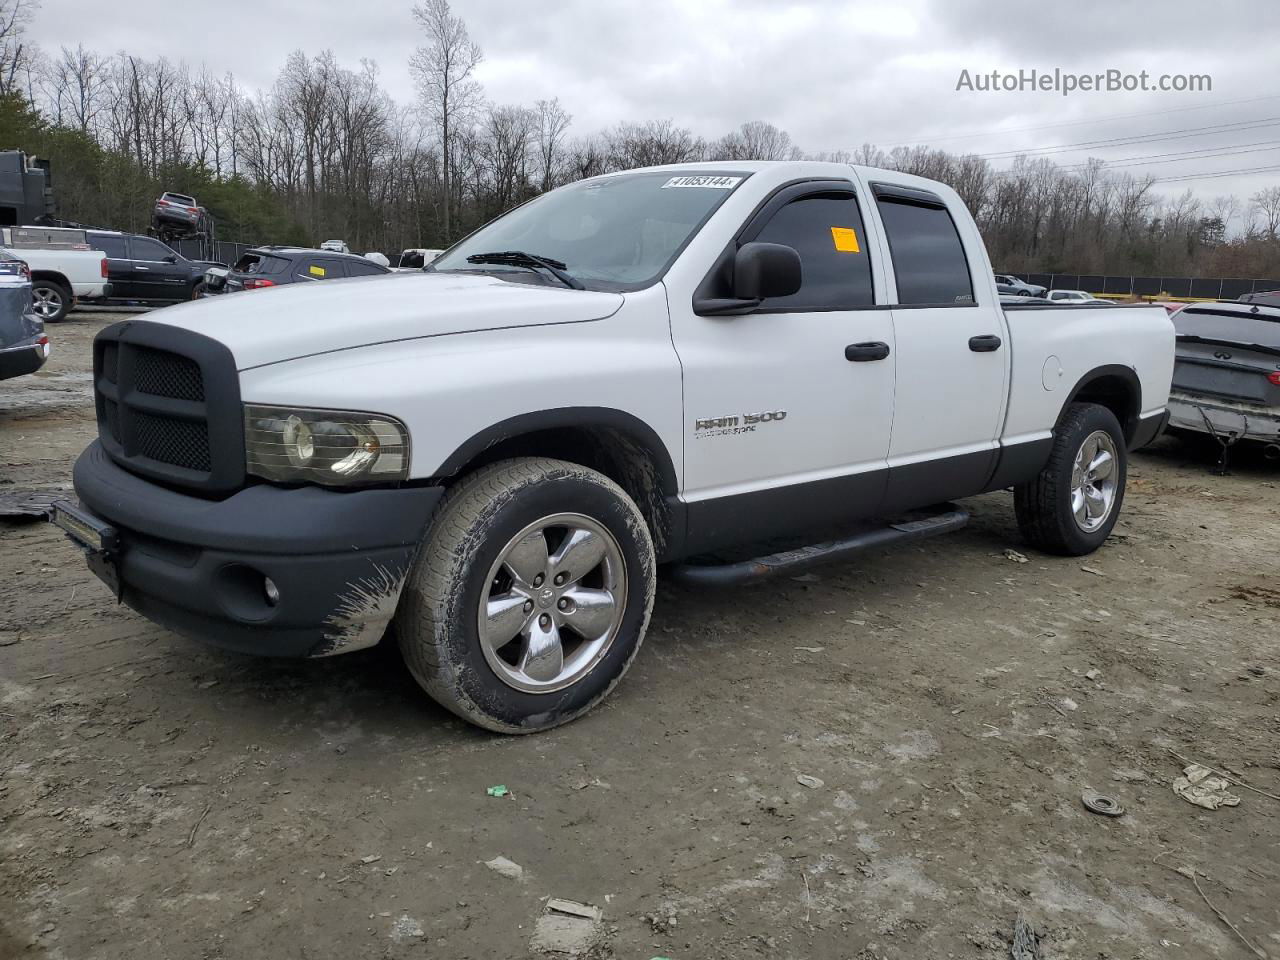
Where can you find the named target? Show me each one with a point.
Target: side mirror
(760, 271)
(170, 258)
(763, 270)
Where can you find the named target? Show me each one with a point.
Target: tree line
(327, 152)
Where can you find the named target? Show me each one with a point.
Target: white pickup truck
(713, 366)
(63, 268)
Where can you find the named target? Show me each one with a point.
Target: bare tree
(443, 69)
(1266, 204)
(15, 54)
(649, 144)
(74, 85)
(553, 123)
(754, 140)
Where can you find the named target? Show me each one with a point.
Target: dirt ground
(158, 799)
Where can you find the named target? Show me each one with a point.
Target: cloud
(833, 73)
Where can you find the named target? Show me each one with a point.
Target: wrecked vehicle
(23, 345)
(1226, 379)
(493, 456)
(262, 267)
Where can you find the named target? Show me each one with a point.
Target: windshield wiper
(518, 258)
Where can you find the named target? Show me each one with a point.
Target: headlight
(330, 447)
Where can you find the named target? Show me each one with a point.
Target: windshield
(611, 233)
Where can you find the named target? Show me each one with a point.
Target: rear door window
(112, 245)
(826, 230)
(928, 257)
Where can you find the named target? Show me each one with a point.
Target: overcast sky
(833, 73)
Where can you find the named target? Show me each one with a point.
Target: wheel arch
(53, 276)
(616, 443)
(1115, 387)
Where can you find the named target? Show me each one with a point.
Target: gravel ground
(158, 799)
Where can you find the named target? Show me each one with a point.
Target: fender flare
(1129, 376)
(560, 417)
(54, 276)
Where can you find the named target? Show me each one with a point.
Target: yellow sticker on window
(845, 239)
(319, 271)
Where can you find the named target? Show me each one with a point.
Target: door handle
(988, 343)
(862, 352)
(142, 268)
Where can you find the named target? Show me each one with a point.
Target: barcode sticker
(715, 183)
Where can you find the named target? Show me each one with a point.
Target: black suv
(275, 266)
(143, 268)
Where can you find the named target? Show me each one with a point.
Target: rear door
(119, 267)
(154, 276)
(952, 350)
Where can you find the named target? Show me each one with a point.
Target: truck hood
(306, 318)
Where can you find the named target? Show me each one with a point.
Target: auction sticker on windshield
(716, 183)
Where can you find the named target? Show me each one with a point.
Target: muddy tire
(1072, 505)
(530, 596)
(51, 300)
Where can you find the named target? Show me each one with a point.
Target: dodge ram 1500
(733, 368)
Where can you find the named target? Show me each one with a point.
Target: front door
(785, 428)
(155, 272)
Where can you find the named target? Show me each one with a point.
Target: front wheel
(1071, 507)
(530, 597)
(50, 300)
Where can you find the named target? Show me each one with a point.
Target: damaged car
(1226, 377)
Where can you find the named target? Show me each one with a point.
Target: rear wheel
(1072, 506)
(50, 300)
(530, 597)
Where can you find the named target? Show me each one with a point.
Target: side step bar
(791, 561)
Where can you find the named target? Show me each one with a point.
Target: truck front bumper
(294, 572)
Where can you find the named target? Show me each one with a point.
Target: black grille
(183, 443)
(168, 404)
(111, 417)
(164, 374)
(110, 361)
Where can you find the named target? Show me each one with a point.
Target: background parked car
(335, 246)
(142, 268)
(415, 258)
(1226, 374)
(23, 344)
(1077, 297)
(276, 266)
(1005, 283)
(179, 213)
